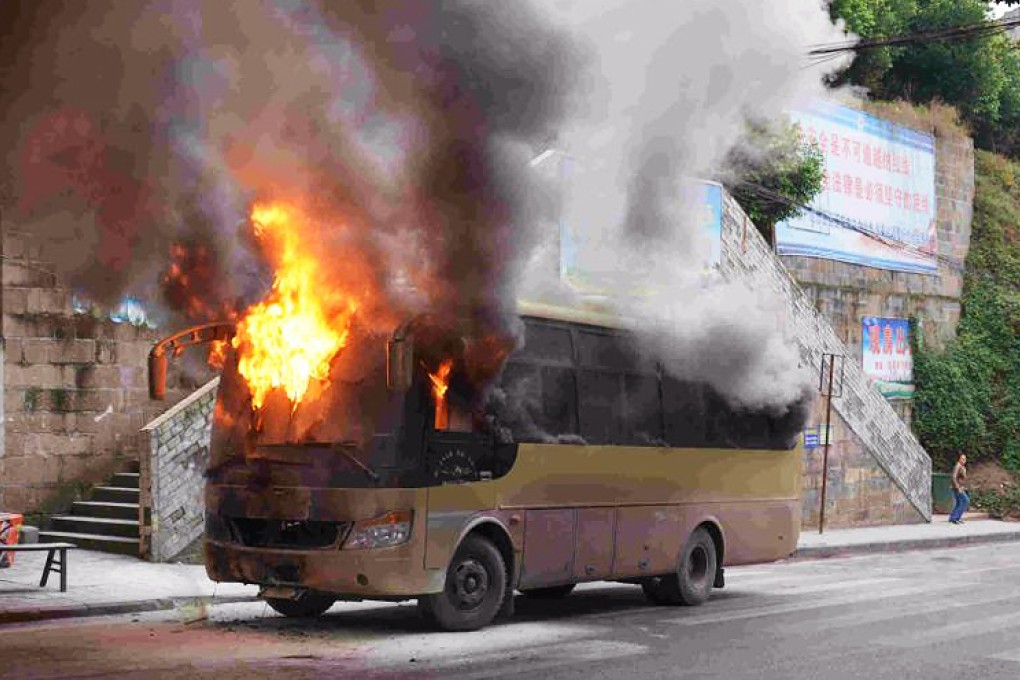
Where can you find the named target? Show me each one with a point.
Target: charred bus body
(587, 463)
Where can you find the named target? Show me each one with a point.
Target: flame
(290, 338)
(440, 383)
(217, 353)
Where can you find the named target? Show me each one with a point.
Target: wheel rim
(697, 566)
(470, 584)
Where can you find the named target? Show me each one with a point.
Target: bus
(589, 463)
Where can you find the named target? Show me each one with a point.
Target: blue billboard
(877, 207)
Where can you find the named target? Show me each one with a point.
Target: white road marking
(898, 612)
(954, 631)
(505, 639)
(535, 659)
(808, 604)
(1012, 655)
(796, 588)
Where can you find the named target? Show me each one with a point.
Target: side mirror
(399, 362)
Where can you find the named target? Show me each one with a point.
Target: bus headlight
(386, 531)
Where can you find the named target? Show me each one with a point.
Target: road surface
(928, 614)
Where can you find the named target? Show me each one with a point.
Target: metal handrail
(174, 345)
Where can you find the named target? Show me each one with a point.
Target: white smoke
(678, 83)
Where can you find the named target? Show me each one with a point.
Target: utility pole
(827, 386)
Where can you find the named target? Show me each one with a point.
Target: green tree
(772, 172)
(980, 76)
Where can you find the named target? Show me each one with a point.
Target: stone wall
(844, 293)
(860, 493)
(175, 454)
(878, 473)
(74, 389)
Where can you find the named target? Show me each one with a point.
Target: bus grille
(293, 534)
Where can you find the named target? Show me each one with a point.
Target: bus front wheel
(476, 584)
(692, 583)
(308, 605)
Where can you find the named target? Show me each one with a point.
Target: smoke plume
(680, 81)
(140, 133)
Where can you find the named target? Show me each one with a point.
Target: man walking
(962, 500)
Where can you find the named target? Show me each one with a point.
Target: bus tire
(308, 605)
(549, 593)
(476, 584)
(691, 585)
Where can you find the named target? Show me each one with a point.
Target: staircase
(107, 521)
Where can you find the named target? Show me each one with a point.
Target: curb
(45, 613)
(821, 552)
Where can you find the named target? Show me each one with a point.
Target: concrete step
(100, 526)
(114, 494)
(132, 467)
(111, 544)
(100, 509)
(127, 480)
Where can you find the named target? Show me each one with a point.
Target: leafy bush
(998, 504)
(967, 398)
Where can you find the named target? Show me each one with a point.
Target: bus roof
(589, 317)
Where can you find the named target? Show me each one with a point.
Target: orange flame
(217, 353)
(290, 338)
(440, 383)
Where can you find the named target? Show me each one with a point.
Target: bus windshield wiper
(343, 449)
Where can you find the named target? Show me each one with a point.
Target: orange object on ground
(10, 527)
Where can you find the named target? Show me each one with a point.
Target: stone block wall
(859, 492)
(843, 293)
(878, 473)
(175, 454)
(74, 389)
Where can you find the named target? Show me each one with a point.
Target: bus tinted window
(559, 401)
(601, 405)
(683, 405)
(547, 343)
(643, 417)
(571, 379)
(614, 352)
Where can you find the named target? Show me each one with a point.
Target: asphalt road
(948, 613)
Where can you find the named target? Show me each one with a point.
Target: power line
(983, 29)
(777, 198)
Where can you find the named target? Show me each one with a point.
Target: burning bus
(433, 462)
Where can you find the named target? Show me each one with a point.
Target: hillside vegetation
(968, 395)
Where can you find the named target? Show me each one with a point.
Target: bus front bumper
(384, 573)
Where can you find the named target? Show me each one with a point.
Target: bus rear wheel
(692, 583)
(307, 605)
(476, 585)
(549, 593)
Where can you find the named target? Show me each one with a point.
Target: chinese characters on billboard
(877, 203)
(888, 361)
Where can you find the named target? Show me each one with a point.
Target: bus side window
(546, 344)
(642, 420)
(684, 412)
(559, 401)
(601, 406)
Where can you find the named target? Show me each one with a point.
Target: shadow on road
(403, 618)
